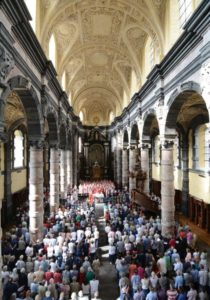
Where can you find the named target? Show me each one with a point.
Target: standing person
(192, 293)
(172, 293)
(112, 253)
(94, 285)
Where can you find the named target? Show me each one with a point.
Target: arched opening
(150, 135)
(22, 110)
(18, 149)
(63, 81)
(81, 116)
(188, 116)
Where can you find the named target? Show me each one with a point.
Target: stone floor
(108, 289)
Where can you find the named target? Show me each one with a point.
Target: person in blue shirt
(182, 294)
(152, 295)
(179, 280)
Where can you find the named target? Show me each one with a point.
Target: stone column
(119, 167)
(125, 167)
(145, 166)
(167, 189)
(54, 178)
(115, 165)
(75, 159)
(132, 165)
(68, 170)
(63, 174)
(185, 174)
(36, 195)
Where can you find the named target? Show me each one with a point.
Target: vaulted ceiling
(100, 47)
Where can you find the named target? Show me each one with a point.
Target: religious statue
(139, 174)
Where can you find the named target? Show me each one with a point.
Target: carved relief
(96, 40)
(6, 63)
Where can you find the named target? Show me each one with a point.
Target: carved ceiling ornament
(92, 49)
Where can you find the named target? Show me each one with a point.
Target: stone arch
(185, 104)
(187, 110)
(150, 126)
(31, 103)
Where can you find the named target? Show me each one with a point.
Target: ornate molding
(167, 144)
(6, 63)
(38, 144)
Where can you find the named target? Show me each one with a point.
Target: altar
(96, 172)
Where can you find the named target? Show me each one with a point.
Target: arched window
(31, 5)
(80, 145)
(52, 49)
(81, 115)
(63, 81)
(70, 98)
(111, 116)
(185, 11)
(18, 146)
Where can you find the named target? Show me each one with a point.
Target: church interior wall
(18, 180)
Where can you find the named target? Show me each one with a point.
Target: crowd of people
(148, 266)
(106, 187)
(64, 265)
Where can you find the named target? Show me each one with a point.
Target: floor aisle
(108, 289)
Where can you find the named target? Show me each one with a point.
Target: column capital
(38, 144)
(167, 144)
(145, 145)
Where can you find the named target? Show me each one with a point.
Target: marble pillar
(132, 165)
(54, 178)
(36, 195)
(167, 189)
(125, 167)
(63, 174)
(145, 166)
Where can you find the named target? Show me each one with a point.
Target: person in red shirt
(57, 276)
(48, 275)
